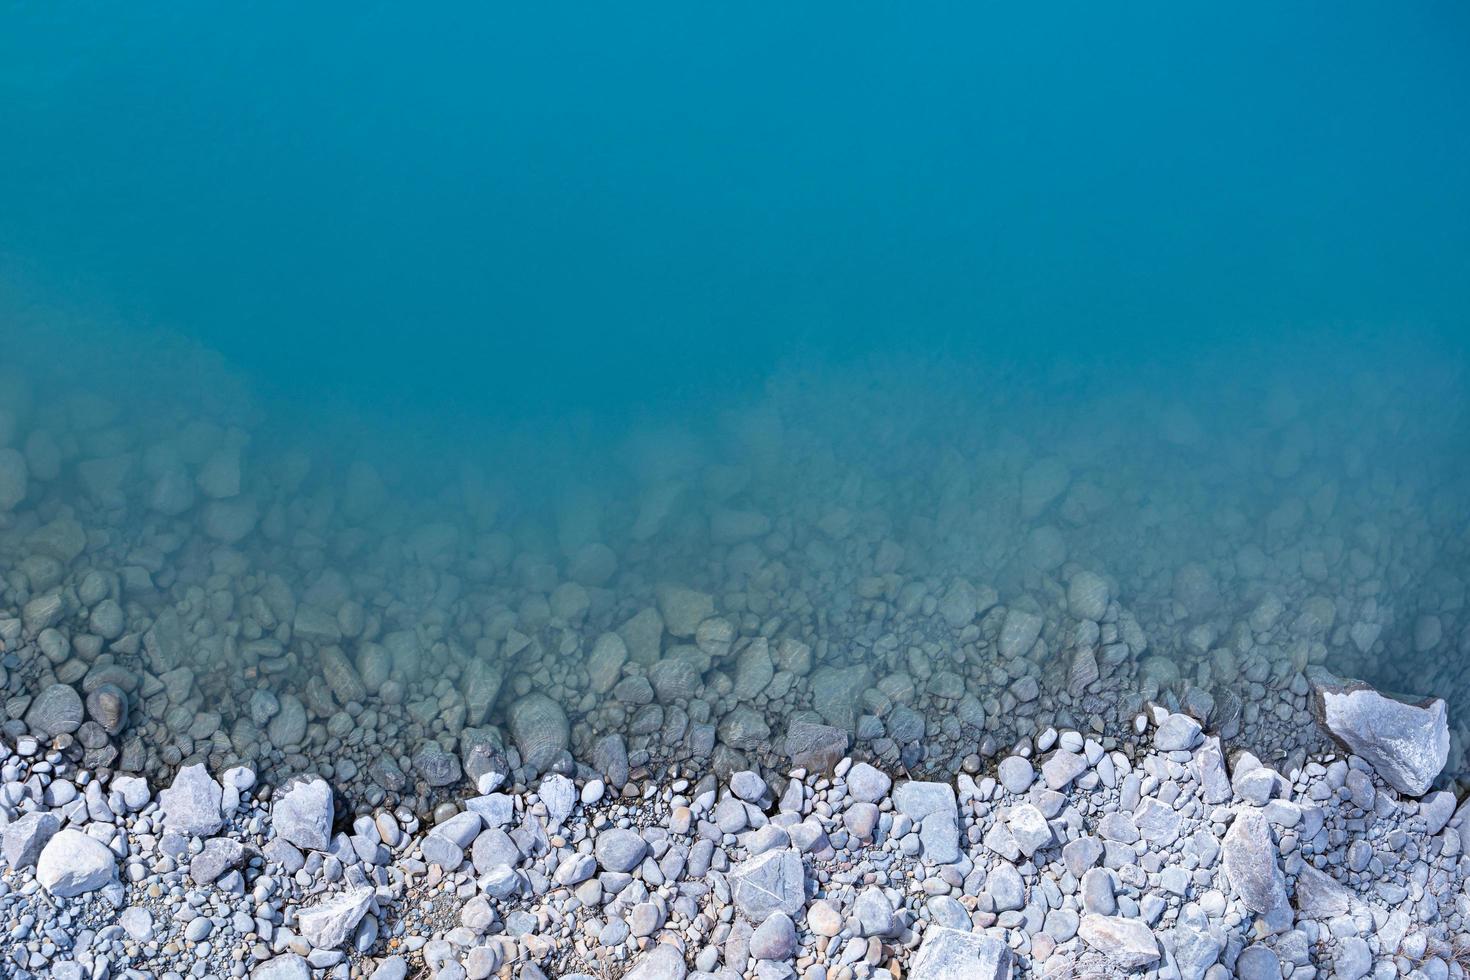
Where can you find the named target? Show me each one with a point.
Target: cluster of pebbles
(933, 576)
(1080, 857)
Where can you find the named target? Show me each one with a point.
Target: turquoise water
(487, 327)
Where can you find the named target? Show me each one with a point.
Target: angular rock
(662, 962)
(1406, 744)
(1250, 861)
(303, 815)
(771, 882)
(192, 805)
(24, 839)
(329, 923)
(954, 954)
(815, 748)
(1127, 942)
(72, 863)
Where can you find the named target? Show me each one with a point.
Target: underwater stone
(540, 730)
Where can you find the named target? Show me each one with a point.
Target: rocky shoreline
(285, 675)
(1072, 860)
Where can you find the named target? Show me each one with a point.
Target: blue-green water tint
(877, 261)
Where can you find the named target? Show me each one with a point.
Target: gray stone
(328, 924)
(1195, 949)
(874, 912)
(560, 795)
(1258, 962)
(771, 882)
(1016, 774)
(1179, 732)
(814, 747)
(303, 815)
(932, 806)
(24, 839)
(218, 856)
(1406, 744)
(954, 954)
(286, 966)
(1062, 768)
(435, 766)
(192, 805)
(72, 863)
(1353, 960)
(662, 962)
(1029, 828)
(867, 784)
(1209, 769)
(1006, 888)
(620, 850)
(1127, 942)
(775, 938)
(57, 710)
(1250, 862)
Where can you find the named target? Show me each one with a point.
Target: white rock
(73, 863)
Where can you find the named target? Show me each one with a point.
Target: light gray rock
(192, 804)
(303, 815)
(1406, 744)
(954, 954)
(1127, 942)
(1250, 861)
(72, 863)
(328, 924)
(771, 882)
(286, 966)
(1179, 732)
(662, 962)
(933, 807)
(559, 794)
(24, 838)
(1015, 774)
(867, 784)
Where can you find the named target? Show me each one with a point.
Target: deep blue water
(598, 209)
(788, 304)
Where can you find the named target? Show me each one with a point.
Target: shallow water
(392, 401)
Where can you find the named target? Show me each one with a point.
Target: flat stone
(1062, 768)
(1251, 864)
(662, 962)
(771, 882)
(287, 966)
(1127, 942)
(954, 954)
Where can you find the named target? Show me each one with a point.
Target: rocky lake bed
(899, 697)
